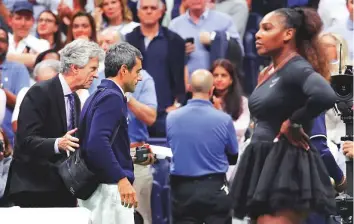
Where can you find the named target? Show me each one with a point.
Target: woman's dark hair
(233, 97)
(93, 36)
(308, 25)
(41, 56)
(57, 35)
(6, 144)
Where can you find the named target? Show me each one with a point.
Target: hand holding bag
(77, 177)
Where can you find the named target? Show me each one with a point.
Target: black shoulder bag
(77, 177)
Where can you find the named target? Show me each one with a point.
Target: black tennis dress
(277, 176)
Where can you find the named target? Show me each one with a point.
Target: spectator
(107, 38)
(115, 14)
(163, 51)
(332, 12)
(21, 22)
(228, 97)
(237, 9)
(337, 48)
(14, 77)
(105, 141)
(345, 29)
(45, 55)
(82, 26)
(202, 139)
(44, 70)
(48, 29)
(5, 161)
(212, 34)
(50, 110)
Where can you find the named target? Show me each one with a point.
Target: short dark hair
(118, 55)
(7, 33)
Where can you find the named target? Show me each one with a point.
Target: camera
(343, 86)
(141, 154)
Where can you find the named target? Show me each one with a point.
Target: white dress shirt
(66, 91)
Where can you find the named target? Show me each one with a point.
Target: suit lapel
(58, 91)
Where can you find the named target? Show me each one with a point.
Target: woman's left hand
(295, 135)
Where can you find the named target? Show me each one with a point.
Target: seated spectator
(44, 70)
(14, 76)
(345, 29)
(164, 60)
(213, 35)
(332, 12)
(82, 26)
(45, 55)
(228, 97)
(115, 14)
(237, 9)
(5, 161)
(48, 29)
(107, 38)
(336, 48)
(21, 22)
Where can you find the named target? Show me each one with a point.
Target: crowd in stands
(176, 38)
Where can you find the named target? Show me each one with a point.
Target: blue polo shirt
(14, 76)
(210, 20)
(200, 138)
(144, 93)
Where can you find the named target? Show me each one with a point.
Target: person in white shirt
(115, 14)
(44, 70)
(21, 22)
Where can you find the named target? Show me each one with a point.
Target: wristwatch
(295, 125)
(177, 105)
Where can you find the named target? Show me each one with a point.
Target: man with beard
(13, 77)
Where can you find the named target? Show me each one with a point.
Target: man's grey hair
(79, 52)
(159, 4)
(49, 63)
(118, 55)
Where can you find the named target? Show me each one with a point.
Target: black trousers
(200, 200)
(43, 199)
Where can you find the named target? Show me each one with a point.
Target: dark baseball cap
(22, 6)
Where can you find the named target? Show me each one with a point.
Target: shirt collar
(350, 24)
(200, 102)
(159, 34)
(203, 16)
(64, 85)
(118, 86)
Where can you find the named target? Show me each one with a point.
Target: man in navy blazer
(106, 110)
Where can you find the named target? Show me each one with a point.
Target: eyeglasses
(45, 21)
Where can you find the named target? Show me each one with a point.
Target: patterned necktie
(72, 111)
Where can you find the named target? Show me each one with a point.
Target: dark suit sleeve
(179, 60)
(98, 148)
(33, 110)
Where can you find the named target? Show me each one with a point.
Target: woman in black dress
(281, 176)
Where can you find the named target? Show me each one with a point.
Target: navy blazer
(105, 113)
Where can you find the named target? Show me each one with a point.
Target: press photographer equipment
(141, 154)
(343, 86)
